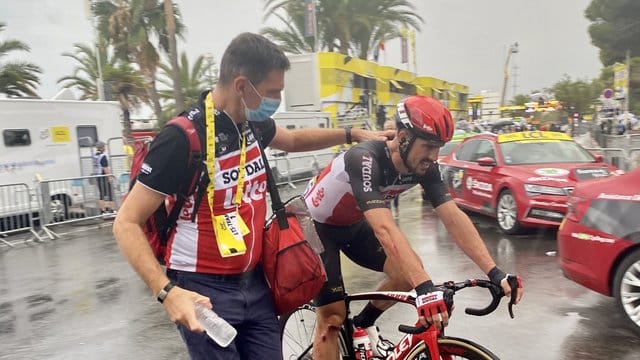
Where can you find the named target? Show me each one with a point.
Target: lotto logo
(317, 198)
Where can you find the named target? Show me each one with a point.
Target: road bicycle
(419, 342)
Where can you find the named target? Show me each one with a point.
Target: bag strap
(276, 203)
(193, 167)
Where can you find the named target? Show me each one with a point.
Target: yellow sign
(60, 134)
(533, 136)
(620, 80)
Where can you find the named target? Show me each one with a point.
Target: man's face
(271, 86)
(423, 154)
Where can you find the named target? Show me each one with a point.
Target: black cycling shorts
(358, 243)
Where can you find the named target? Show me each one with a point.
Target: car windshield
(448, 148)
(538, 152)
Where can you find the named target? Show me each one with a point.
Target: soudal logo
(367, 164)
(251, 168)
(253, 191)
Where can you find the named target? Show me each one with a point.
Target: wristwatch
(165, 291)
(347, 132)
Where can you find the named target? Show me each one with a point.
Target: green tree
(347, 26)
(520, 99)
(169, 15)
(130, 26)
(194, 80)
(120, 79)
(17, 78)
(606, 81)
(614, 28)
(578, 95)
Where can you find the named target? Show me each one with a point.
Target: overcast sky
(463, 41)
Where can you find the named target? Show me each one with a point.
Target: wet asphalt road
(77, 298)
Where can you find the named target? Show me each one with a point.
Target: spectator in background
(101, 167)
(381, 117)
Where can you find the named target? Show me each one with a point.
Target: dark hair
(251, 55)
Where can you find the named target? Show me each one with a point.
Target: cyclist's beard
(421, 167)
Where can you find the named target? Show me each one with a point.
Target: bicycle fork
(410, 341)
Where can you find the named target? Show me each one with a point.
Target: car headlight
(533, 190)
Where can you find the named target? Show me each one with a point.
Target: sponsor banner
(533, 136)
(547, 178)
(605, 196)
(551, 172)
(591, 237)
(592, 173)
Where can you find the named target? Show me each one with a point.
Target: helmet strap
(404, 147)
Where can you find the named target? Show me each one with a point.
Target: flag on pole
(310, 18)
(412, 43)
(404, 44)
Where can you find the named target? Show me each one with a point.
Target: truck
(53, 139)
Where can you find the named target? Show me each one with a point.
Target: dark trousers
(245, 302)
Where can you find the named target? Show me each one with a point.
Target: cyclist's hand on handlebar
(431, 306)
(179, 305)
(508, 282)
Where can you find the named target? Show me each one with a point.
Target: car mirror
(599, 158)
(486, 161)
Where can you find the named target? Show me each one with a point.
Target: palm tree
(120, 79)
(194, 80)
(348, 26)
(169, 15)
(130, 25)
(17, 78)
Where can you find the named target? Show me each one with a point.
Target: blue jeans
(243, 300)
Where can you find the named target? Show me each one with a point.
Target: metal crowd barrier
(285, 174)
(71, 200)
(18, 212)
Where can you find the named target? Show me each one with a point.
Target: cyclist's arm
(396, 246)
(458, 224)
(465, 234)
(366, 177)
(315, 139)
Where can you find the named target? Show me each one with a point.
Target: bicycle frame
(408, 342)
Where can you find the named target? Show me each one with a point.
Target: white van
(52, 139)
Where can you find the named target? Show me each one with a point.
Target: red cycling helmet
(427, 117)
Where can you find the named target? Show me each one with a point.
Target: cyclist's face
(422, 155)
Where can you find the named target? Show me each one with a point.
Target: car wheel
(507, 213)
(626, 287)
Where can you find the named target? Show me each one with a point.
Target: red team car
(599, 241)
(522, 179)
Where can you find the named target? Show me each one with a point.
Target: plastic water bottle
(298, 207)
(362, 344)
(216, 327)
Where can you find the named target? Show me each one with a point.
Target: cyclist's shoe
(380, 346)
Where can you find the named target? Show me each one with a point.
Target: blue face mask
(267, 107)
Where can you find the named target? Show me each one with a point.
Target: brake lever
(513, 283)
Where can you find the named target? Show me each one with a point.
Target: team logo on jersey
(317, 198)
(367, 164)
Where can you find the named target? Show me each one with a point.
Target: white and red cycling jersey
(364, 178)
(193, 246)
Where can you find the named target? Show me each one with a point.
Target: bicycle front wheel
(297, 329)
(452, 348)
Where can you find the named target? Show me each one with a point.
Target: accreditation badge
(230, 230)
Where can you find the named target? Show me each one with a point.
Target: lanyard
(211, 159)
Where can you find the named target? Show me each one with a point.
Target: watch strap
(165, 291)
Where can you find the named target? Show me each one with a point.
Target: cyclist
(348, 202)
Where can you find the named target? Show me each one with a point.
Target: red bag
(293, 269)
(160, 224)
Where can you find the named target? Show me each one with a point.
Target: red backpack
(161, 223)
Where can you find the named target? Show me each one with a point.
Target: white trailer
(54, 139)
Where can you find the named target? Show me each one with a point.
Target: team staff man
(199, 267)
(348, 202)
